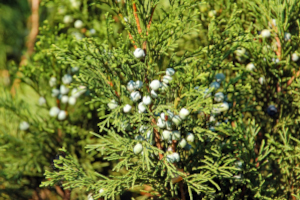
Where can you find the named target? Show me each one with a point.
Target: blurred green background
(14, 28)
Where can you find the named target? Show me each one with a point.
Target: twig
(34, 26)
(59, 191)
(157, 137)
(293, 197)
(35, 195)
(150, 21)
(174, 142)
(111, 84)
(293, 77)
(46, 194)
(153, 121)
(67, 194)
(130, 36)
(278, 52)
(149, 189)
(178, 178)
(233, 105)
(243, 192)
(136, 18)
(182, 191)
(148, 28)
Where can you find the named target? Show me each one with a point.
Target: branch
(136, 18)
(130, 36)
(174, 142)
(35, 195)
(278, 52)
(293, 197)
(111, 84)
(34, 26)
(67, 195)
(150, 21)
(148, 27)
(157, 137)
(59, 191)
(182, 191)
(293, 77)
(233, 123)
(153, 121)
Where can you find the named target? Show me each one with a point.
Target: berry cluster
(64, 94)
(273, 37)
(70, 19)
(219, 98)
(167, 124)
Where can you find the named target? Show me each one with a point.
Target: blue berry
(272, 111)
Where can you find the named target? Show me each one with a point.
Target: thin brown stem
(278, 87)
(278, 52)
(148, 28)
(34, 26)
(35, 195)
(136, 18)
(67, 195)
(59, 132)
(111, 84)
(293, 197)
(182, 191)
(145, 46)
(59, 191)
(133, 42)
(129, 34)
(153, 121)
(293, 77)
(150, 21)
(157, 138)
(177, 178)
(233, 123)
(174, 142)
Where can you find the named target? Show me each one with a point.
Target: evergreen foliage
(169, 99)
